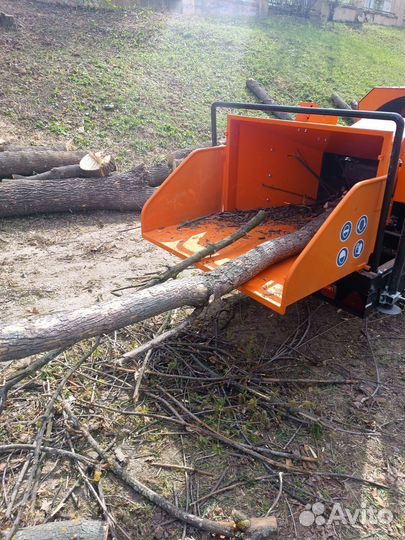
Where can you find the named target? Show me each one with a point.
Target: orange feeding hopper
(268, 163)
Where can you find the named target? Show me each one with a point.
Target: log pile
(58, 161)
(50, 179)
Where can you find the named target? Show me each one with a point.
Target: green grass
(160, 73)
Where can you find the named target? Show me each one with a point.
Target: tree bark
(11, 147)
(65, 530)
(67, 171)
(34, 161)
(340, 103)
(261, 94)
(158, 174)
(30, 336)
(7, 21)
(119, 191)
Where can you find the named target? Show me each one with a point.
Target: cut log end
(97, 164)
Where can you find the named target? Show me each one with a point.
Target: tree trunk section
(11, 147)
(67, 171)
(7, 21)
(158, 174)
(340, 103)
(65, 530)
(34, 161)
(119, 191)
(30, 336)
(261, 94)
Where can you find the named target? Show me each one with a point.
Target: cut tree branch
(38, 334)
(67, 171)
(118, 191)
(65, 530)
(33, 161)
(30, 336)
(224, 528)
(257, 89)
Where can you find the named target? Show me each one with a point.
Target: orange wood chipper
(356, 259)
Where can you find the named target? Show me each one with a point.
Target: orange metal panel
(262, 167)
(185, 241)
(261, 153)
(399, 195)
(315, 118)
(193, 190)
(330, 255)
(378, 97)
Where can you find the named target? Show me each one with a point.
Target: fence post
(262, 8)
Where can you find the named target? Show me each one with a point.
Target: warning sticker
(342, 257)
(362, 225)
(358, 249)
(346, 231)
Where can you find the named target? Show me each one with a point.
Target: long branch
(31, 336)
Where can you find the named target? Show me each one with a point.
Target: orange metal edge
(380, 96)
(163, 204)
(315, 118)
(306, 125)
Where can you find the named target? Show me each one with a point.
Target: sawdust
(289, 214)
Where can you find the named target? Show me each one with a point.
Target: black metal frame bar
(399, 265)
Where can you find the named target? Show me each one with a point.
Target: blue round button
(358, 249)
(346, 231)
(342, 257)
(362, 225)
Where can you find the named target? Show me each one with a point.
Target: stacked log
(50, 179)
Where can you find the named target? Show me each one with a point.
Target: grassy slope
(162, 72)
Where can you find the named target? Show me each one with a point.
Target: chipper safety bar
(357, 257)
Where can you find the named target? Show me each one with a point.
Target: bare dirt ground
(317, 383)
(50, 263)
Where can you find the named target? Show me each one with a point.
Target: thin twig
(138, 487)
(207, 430)
(280, 491)
(22, 374)
(4, 449)
(175, 467)
(211, 249)
(63, 501)
(111, 521)
(135, 395)
(160, 338)
(39, 438)
(230, 487)
(20, 478)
